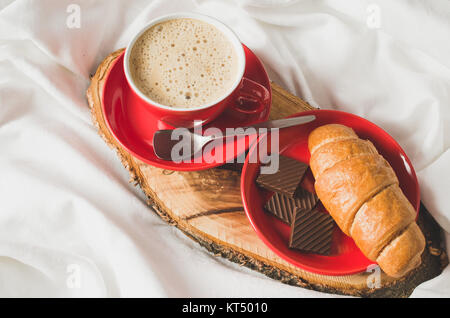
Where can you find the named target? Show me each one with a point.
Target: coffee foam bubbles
(183, 63)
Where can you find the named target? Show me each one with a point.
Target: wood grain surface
(206, 206)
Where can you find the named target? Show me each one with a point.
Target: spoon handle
(277, 123)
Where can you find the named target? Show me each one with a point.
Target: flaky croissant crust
(360, 190)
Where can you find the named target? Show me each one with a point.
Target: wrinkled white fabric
(72, 225)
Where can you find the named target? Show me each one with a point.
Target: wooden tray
(206, 206)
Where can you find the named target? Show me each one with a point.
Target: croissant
(361, 192)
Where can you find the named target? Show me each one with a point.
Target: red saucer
(134, 128)
(345, 258)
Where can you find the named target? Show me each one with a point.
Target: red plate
(345, 258)
(134, 128)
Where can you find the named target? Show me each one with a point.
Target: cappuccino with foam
(184, 63)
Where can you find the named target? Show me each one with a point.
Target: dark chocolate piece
(287, 179)
(283, 207)
(311, 232)
(305, 200)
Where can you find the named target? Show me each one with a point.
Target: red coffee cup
(244, 95)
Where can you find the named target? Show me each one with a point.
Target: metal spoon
(163, 142)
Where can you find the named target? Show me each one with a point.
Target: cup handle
(251, 97)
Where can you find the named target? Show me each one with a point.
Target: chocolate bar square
(287, 179)
(311, 232)
(305, 200)
(283, 207)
